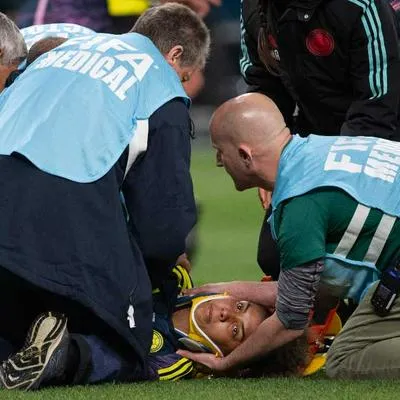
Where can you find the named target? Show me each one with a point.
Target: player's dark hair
(288, 360)
(43, 46)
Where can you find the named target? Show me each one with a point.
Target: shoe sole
(25, 369)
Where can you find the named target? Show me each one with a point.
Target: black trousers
(268, 253)
(21, 302)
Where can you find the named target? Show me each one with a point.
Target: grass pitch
(229, 224)
(228, 231)
(223, 389)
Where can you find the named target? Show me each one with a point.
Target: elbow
(290, 330)
(164, 236)
(167, 246)
(384, 127)
(295, 333)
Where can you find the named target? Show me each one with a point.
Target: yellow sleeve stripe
(178, 373)
(185, 373)
(179, 276)
(184, 363)
(188, 279)
(174, 366)
(184, 279)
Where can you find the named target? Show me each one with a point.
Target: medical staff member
(338, 61)
(98, 114)
(335, 220)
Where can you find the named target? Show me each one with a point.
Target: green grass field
(228, 226)
(228, 239)
(224, 389)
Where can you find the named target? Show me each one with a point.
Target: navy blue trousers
(96, 362)
(101, 354)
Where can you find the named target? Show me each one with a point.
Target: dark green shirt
(313, 224)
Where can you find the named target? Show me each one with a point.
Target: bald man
(335, 219)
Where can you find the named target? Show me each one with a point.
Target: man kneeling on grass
(335, 217)
(99, 115)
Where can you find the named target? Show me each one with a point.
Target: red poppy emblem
(320, 43)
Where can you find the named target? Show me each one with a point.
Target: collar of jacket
(301, 10)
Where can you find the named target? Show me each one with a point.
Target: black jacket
(339, 62)
(72, 239)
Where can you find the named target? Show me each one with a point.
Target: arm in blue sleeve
(158, 190)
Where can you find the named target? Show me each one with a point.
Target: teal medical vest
(34, 33)
(75, 110)
(364, 167)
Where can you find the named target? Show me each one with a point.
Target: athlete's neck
(180, 319)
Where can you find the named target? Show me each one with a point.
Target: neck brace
(196, 334)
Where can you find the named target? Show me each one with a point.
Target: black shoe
(43, 357)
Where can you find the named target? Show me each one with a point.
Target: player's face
(229, 321)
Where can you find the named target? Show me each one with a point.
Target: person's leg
(99, 363)
(268, 253)
(26, 301)
(52, 356)
(24, 304)
(43, 356)
(368, 346)
(6, 349)
(18, 308)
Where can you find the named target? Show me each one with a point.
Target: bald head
(251, 118)
(249, 134)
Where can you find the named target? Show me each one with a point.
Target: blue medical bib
(75, 110)
(364, 167)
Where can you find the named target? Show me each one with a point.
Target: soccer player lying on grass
(215, 323)
(307, 354)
